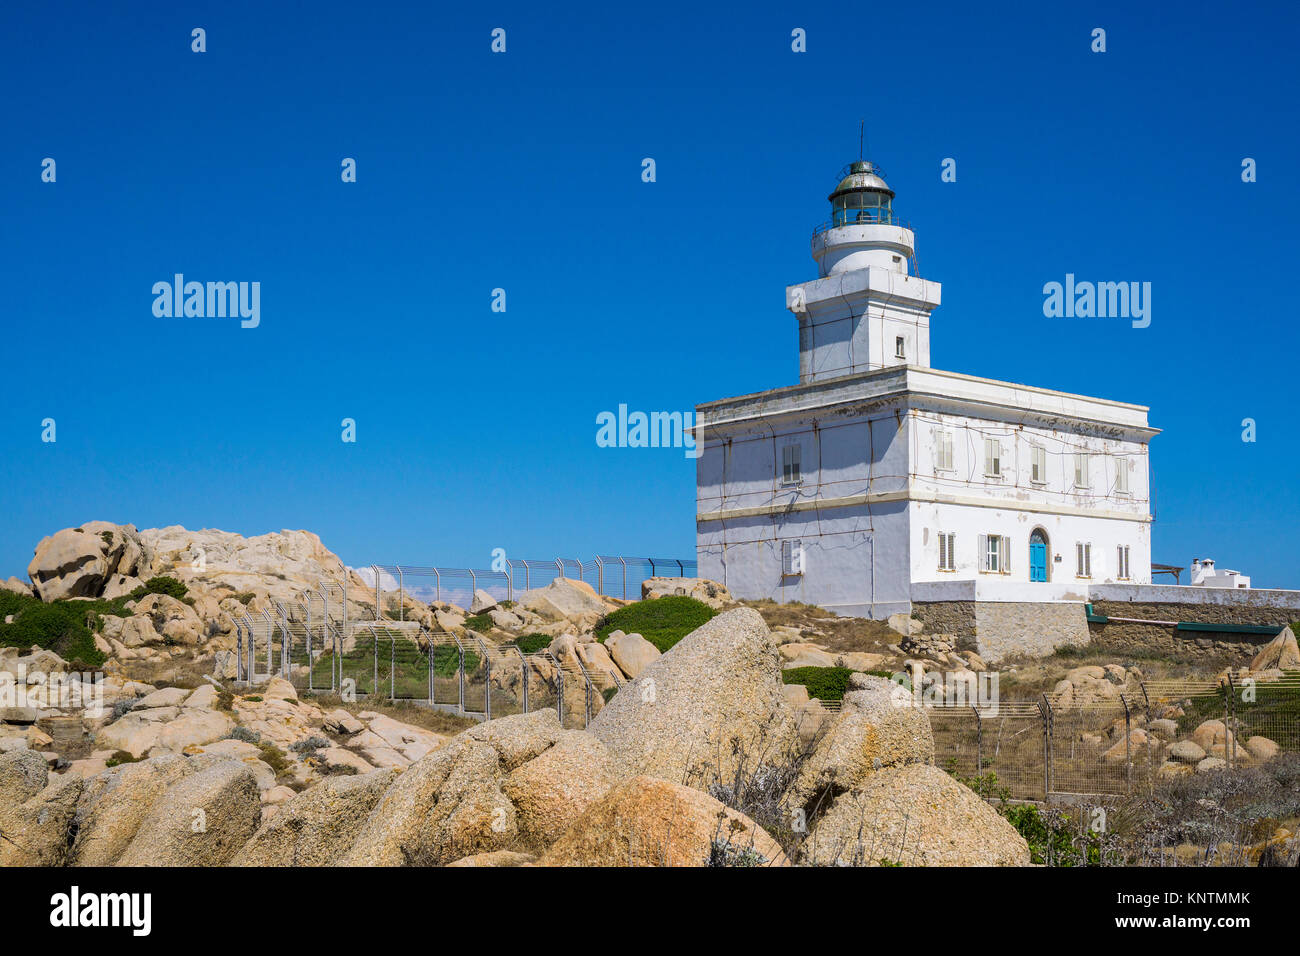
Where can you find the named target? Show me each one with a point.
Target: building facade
(877, 482)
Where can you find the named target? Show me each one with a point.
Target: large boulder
(878, 726)
(203, 820)
(649, 822)
(565, 599)
(916, 815)
(23, 774)
(35, 832)
(1281, 653)
(713, 702)
(115, 803)
(631, 652)
(79, 562)
(457, 802)
(317, 826)
(550, 791)
(702, 589)
(481, 602)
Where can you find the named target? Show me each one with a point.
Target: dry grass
(1023, 676)
(842, 634)
(408, 712)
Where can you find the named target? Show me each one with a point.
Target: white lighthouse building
(878, 483)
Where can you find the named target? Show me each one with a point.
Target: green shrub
(532, 643)
(479, 622)
(661, 621)
(64, 627)
(161, 585)
(120, 757)
(824, 683)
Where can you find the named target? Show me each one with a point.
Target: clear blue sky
(476, 429)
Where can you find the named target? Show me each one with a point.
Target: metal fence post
(401, 595)
(979, 739)
(1128, 746)
(1045, 707)
(377, 572)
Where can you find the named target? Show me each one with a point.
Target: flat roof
(898, 380)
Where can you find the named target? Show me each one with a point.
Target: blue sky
(522, 171)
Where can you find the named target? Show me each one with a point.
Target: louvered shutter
(984, 552)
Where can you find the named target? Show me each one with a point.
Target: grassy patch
(479, 622)
(662, 621)
(120, 757)
(532, 643)
(824, 683)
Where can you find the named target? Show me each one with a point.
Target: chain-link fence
(611, 575)
(1056, 746)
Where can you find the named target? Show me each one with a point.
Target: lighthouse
(879, 485)
(867, 309)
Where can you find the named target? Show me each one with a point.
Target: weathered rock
(317, 826)
(36, 830)
(1164, 728)
(805, 655)
(565, 599)
(878, 726)
(1128, 747)
(450, 804)
(193, 728)
(552, 790)
(905, 624)
(78, 562)
(1261, 748)
(1281, 653)
(481, 602)
(1210, 733)
(915, 815)
(701, 589)
(23, 774)
(116, 801)
(1211, 764)
(202, 820)
(339, 721)
(166, 697)
(1186, 751)
(713, 700)
(649, 822)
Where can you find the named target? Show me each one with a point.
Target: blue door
(1037, 557)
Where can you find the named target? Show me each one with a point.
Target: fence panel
(1265, 718)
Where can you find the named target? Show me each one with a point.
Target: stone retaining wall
(999, 629)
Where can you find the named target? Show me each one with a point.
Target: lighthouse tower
(868, 310)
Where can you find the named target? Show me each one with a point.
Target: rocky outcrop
(877, 727)
(459, 800)
(317, 826)
(915, 815)
(566, 599)
(35, 832)
(713, 700)
(203, 820)
(1281, 653)
(81, 562)
(708, 592)
(645, 821)
(114, 804)
(631, 652)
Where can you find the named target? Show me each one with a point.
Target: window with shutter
(1004, 555)
(791, 471)
(983, 555)
(1038, 470)
(1081, 469)
(992, 457)
(792, 557)
(1121, 476)
(947, 551)
(943, 450)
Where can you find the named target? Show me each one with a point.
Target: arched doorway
(1038, 549)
